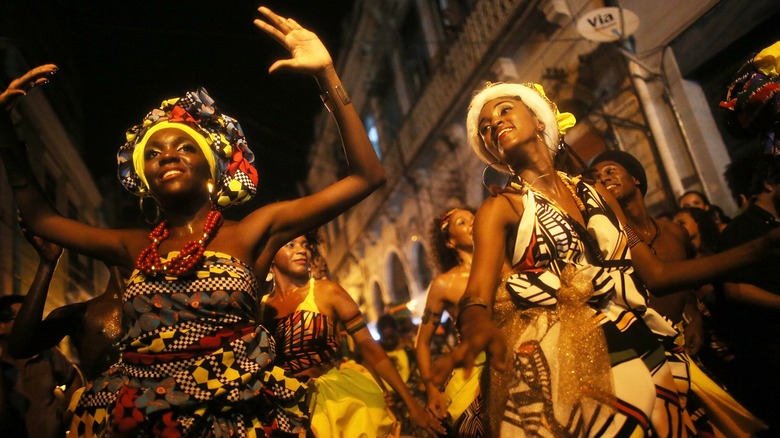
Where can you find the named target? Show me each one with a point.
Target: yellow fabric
(461, 391)
(308, 303)
(727, 414)
(138, 152)
(348, 403)
(565, 120)
(768, 60)
(401, 362)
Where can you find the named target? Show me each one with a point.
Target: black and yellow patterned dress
(346, 400)
(194, 363)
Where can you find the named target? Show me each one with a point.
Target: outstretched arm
(431, 319)
(42, 219)
(290, 219)
(28, 337)
(345, 308)
(668, 277)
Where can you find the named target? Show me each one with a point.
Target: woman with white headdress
(571, 340)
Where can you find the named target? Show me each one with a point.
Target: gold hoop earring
(210, 187)
(147, 219)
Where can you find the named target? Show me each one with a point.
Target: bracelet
(464, 304)
(327, 99)
(467, 302)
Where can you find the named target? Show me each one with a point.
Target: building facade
(411, 67)
(56, 162)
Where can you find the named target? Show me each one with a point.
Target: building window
(452, 14)
(414, 51)
(373, 133)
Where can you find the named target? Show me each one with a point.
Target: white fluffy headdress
(532, 95)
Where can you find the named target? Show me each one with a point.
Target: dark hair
(444, 257)
(313, 238)
(6, 302)
(708, 229)
(697, 193)
(767, 171)
(386, 321)
(739, 173)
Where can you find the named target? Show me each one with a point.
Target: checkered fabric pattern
(194, 350)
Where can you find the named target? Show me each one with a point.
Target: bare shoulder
(673, 229)
(503, 207)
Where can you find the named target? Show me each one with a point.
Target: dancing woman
(453, 247)
(348, 402)
(194, 361)
(570, 338)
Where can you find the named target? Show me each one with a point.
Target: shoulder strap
(308, 302)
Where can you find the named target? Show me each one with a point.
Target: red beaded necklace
(185, 261)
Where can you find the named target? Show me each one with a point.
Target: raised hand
(309, 55)
(47, 251)
(20, 86)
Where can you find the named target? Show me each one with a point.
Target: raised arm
(346, 310)
(290, 219)
(42, 219)
(434, 305)
(27, 337)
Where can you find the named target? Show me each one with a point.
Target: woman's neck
(186, 223)
(465, 258)
(284, 284)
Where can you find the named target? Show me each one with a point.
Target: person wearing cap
(195, 361)
(625, 178)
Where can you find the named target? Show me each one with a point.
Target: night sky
(128, 56)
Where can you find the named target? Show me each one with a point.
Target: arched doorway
(398, 280)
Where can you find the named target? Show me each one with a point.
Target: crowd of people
(576, 313)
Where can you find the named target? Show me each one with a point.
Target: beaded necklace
(184, 262)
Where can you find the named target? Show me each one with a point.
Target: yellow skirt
(348, 403)
(461, 391)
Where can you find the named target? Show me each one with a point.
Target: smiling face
(505, 123)
(293, 258)
(173, 163)
(459, 228)
(617, 180)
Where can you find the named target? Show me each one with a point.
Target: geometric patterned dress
(534, 399)
(346, 401)
(194, 363)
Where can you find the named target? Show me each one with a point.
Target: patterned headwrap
(755, 96)
(219, 137)
(532, 95)
(445, 219)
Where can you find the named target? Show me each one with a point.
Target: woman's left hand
(425, 423)
(309, 55)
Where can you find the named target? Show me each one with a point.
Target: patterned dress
(194, 363)
(346, 402)
(540, 398)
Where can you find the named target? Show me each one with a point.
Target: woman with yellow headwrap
(569, 335)
(195, 362)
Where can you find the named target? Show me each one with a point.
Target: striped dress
(549, 392)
